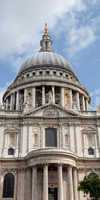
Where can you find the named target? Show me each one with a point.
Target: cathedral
(49, 139)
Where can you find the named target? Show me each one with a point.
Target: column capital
(60, 164)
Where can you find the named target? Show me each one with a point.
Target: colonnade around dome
(31, 98)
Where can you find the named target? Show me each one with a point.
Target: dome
(46, 59)
(48, 74)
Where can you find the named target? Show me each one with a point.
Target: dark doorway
(8, 186)
(53, 193)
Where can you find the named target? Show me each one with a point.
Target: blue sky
(75, 29)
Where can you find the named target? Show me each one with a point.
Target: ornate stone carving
(28, 102)
(51, 112)
(89, 130)
(50, 97)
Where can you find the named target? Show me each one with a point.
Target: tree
(90, 185)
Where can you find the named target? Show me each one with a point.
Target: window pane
(11, 151)
(90, 151)
(51, 137)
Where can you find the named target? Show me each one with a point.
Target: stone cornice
(48, 80)
(40, 157)
(27, 120)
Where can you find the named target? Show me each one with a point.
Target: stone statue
(28, 102)
(50, 97)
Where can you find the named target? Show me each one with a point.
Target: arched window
(8, 186)
(11, 151)
(90, 151)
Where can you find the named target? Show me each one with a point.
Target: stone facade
(47, 97)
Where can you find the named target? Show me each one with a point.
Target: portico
(53, 177)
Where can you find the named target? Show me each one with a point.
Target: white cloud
(95, 95)
(81, 38)
(21, 21)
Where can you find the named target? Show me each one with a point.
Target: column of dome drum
(41, 95)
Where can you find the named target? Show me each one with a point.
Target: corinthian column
(78, 100)
(87, 104)
(71, 98)
(83, 100)
(75, 183)
(34, 183)
(62, 97)
(17, 100)
(60, 182)
(70, 178)
(43, 95)
(7, 104)
(45, 182)
(53, 94)
(28, 184)
(33, 97)
(25, 96)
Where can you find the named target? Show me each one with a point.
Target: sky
(74, 26)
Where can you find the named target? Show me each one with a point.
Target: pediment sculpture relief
(51, 112)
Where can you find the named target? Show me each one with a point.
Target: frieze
(40, 120)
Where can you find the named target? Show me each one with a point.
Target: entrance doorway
(53, 193)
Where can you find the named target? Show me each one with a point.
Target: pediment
(51, 111)
(89, 129)
(11, 130)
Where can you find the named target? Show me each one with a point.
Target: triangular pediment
(89, 129)
(51, 111)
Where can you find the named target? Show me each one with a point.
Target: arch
(92, 174)
(8, 185)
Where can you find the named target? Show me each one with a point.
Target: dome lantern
(46, 42)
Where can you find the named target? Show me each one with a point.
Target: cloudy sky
(75, 29)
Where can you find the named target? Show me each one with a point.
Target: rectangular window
(51, 137)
